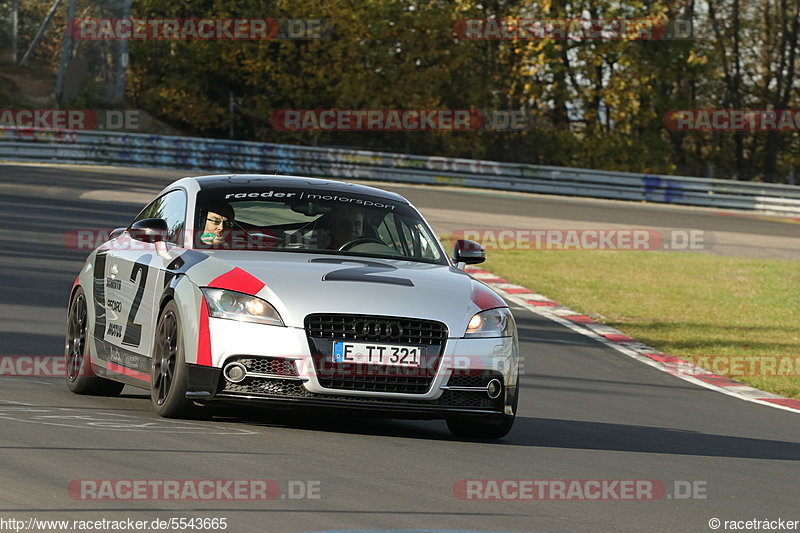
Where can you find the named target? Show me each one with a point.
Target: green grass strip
(725, 312)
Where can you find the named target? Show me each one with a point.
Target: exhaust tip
(494, 388)
(234, 372)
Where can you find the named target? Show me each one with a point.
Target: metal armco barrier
(157, 151)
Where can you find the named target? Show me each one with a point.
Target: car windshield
(297, 220)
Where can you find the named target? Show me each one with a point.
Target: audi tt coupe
(293, 291)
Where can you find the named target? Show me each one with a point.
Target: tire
(476, 427)
(168, 373)
(80, 377)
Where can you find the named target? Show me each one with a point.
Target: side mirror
(468, 252)
(149, 230)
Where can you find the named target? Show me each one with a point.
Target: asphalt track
(586, 411)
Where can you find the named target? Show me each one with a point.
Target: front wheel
(168, 370)
(80, 377)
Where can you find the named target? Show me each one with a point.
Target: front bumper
(208, 384)
(285, 374)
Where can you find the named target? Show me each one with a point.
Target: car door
(134, 284)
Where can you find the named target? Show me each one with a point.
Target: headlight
(239, 306)
(492, 323)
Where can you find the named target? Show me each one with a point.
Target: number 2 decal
(366, 273)
(133, 331)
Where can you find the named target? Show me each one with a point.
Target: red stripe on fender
(238, 280)
(486, 298)
(203, 337)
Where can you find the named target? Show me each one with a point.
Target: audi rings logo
(378, 329)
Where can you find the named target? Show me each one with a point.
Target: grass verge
(737, 313)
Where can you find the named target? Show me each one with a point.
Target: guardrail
(157, 151)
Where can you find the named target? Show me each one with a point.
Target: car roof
(255, 181)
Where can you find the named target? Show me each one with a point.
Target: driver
(343, 225)
(219, 217)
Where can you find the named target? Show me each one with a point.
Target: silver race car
(296, 292)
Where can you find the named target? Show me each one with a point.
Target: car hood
(299, 284)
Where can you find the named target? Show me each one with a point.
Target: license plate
(376, 354)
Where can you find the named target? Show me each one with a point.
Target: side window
(172, 208)
(151, 208)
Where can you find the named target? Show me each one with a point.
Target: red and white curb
(584, 325)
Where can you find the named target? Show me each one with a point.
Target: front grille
(267, 365)
(293, 389)
(349, 327)
(323, 329)
(412, 385)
